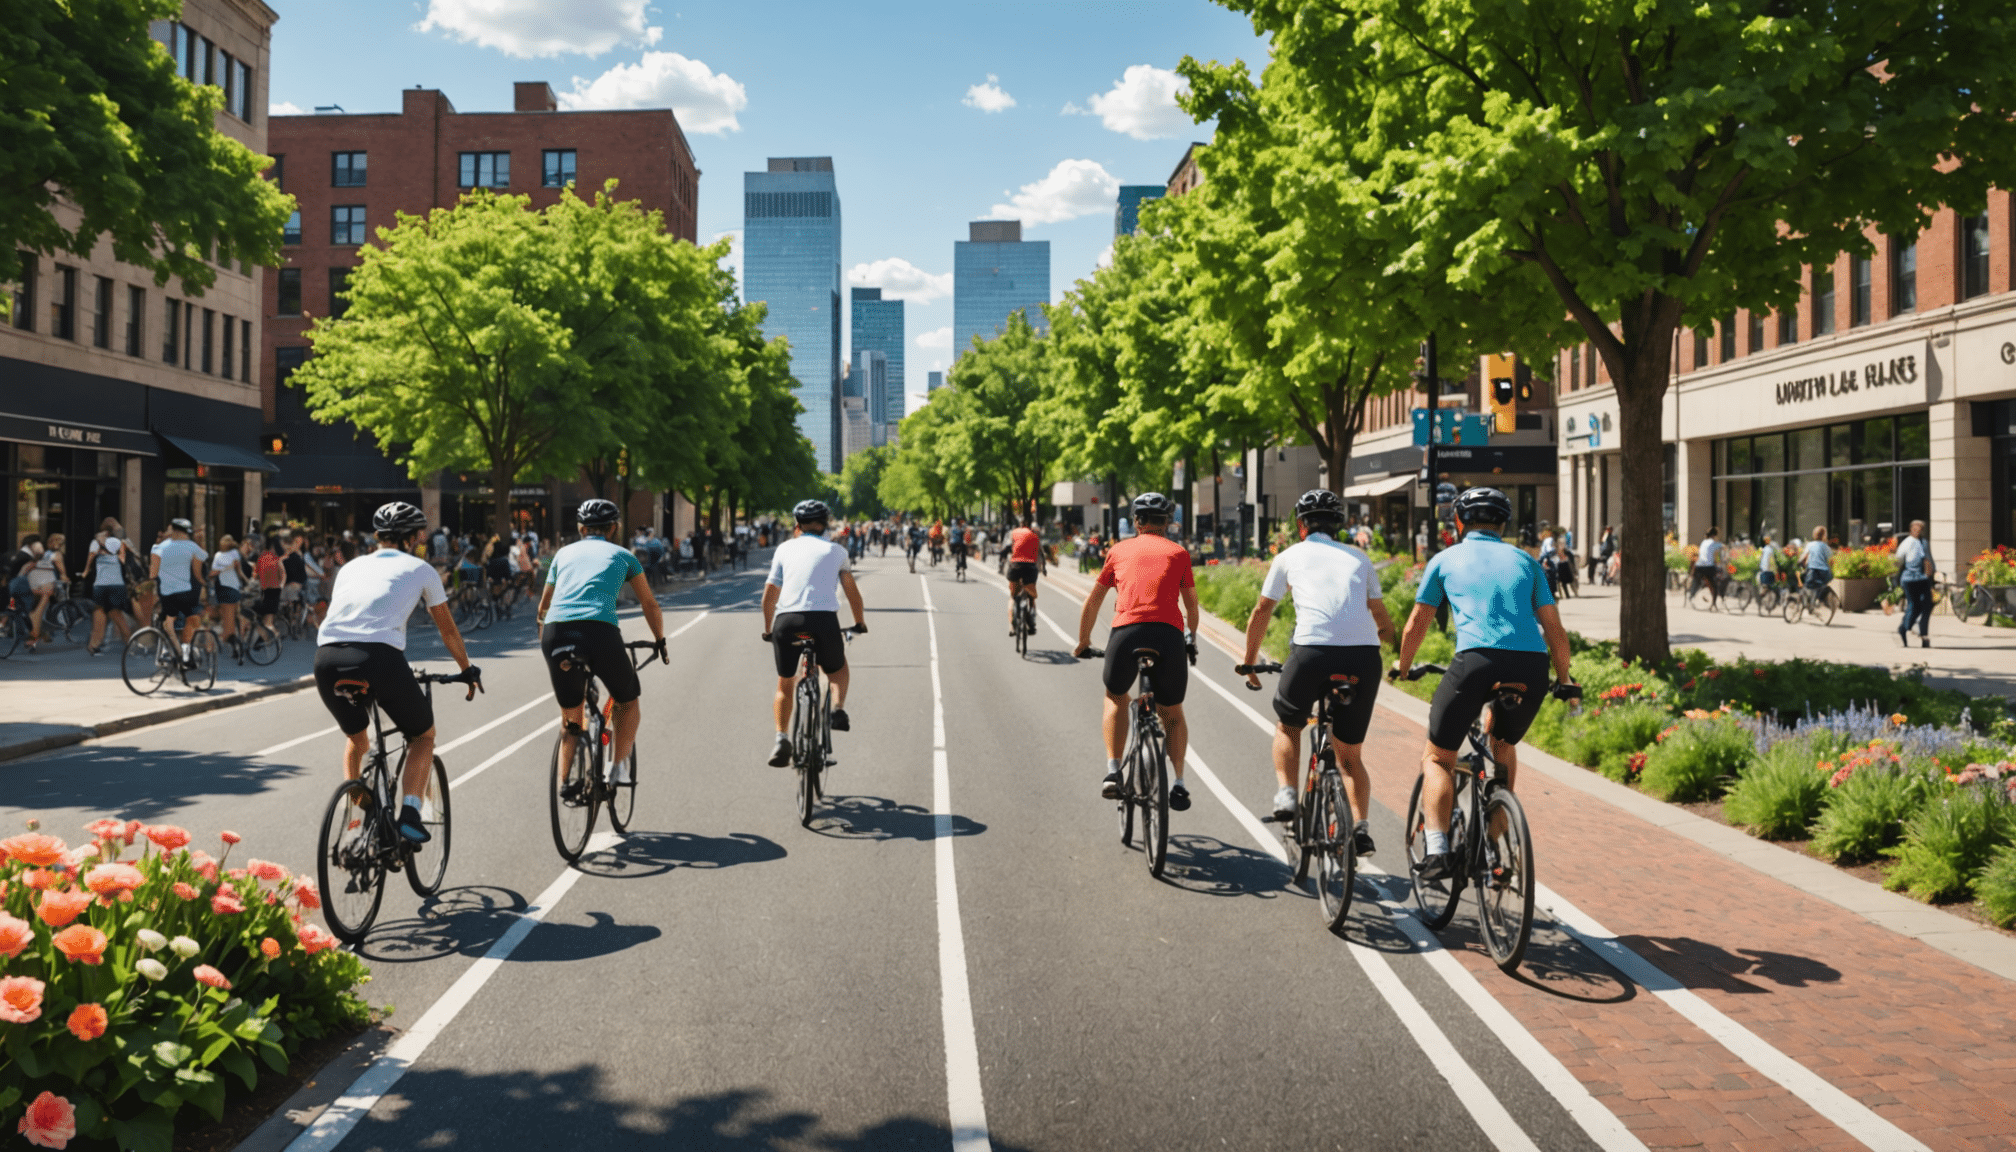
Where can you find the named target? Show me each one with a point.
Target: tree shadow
(1211, 867)
(148, 784)
(642, 854)
(1698, 964)
(874, 818)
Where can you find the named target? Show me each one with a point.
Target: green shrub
(1996, 887)
(1697, 761)
(1229, 591)
(1779, 795)
(1947, 843)
(1625, 728)
(1865, 813)
(1622, 767)
(1438, 648)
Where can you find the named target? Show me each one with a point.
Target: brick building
(351, 173)
(120, 397)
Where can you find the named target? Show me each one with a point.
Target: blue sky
(935, 114)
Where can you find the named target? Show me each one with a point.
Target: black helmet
(1319, 504)
(812, 512)
(397, 519)
(1483, 506)
(596, 512)
(1152, 506)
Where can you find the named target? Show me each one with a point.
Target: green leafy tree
(926, 474)
(861, 481)
(997, 445)
(1641, 166)
(99, 138)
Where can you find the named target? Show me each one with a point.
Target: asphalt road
(722, 978)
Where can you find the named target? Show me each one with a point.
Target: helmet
(397, 519)
(181, 525)
(1152, 505)
(596, 512)
(1319, 504)
(1483, 506)
(811, 512)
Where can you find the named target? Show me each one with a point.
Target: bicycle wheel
(484, 614)
(1021, 628)
(426, 865)
(1435, 898)
(12, 629)
(1824, 603)
(1336, 861)
(1741, 595)
(1795, 606)
(622, 797)
(1152, 788)
(1126, 804)
(462, 610)
(810, 749)
(1700, 597)
(571, 796)
(1982, 604)
(147, 662)
(348, 864)
(1505, 882)
(201, 671)
(1305, 826)
(262, 645)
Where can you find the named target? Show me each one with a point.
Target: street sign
(1420, 427)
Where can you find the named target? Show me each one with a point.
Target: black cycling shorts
(1307, 677)
(824, 627)
(1470, 685)
(111, 597)
(1171, 676)
(1022, 572)
(576, 648)
(384, 668)
(181, 605)
(269, 601)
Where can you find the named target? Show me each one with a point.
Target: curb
(147, 719)
(323, 1087)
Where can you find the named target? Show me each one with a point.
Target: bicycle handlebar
(472, 676)
(655, 647)
(1254, 670)
(1090, 654)
(1417, 671)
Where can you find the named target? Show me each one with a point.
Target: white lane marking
(966, 1107)
(341, 1117)
(541, 730)
(674, 635)
(511, 715)
(298, 740)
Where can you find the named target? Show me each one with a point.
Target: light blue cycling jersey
(586, 576)
(1493, 589)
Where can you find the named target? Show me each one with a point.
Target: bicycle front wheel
(1701, 597)
(427, 864)
(1435, 898)
(1505, 880)
(1795, 607)
(571, 794)
(1336, 859)
(262, 646)
(1152, 792)
(148, 661)
(1741, 595)
(348, 864)
(623, 793)
(809, 742)
(201, 671)
(1824, 604)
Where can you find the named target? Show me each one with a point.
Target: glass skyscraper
(878, 326)
(1127, 214)
(996, 272)
(872, 380)
(791, 261)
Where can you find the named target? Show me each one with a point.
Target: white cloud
(1105, 258)
(1142, 103)
(936, 338)
(988, 97)
(1073, 188)
(705, 100)
(527, 28)
(285, 108)
(901, 280)
(733, 260)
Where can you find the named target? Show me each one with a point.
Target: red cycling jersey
(1149, 572)
(1026, 547)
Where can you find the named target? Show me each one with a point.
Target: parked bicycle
(1144, 768)
(1321, 831)
(588, 782)
(1969, 600)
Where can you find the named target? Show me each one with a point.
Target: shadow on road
(150, 785)
(1049, 656)
(873, 818)
(1208, 865)
(642, 854)
(1698, 964)
(468, 921)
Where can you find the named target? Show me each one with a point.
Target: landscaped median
(130, 989)
(1872, 768)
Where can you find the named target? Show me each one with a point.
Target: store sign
(1896, 371)
(1852, 378)
(31, 430)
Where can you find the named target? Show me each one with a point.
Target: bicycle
(295, 620)
(959, 563)
(937, 553)
(255, 640)
(153, 654)
(1323, 829)
(1498, 864)
(360, 840)
(1769, 594)
(574, 794)
(1968, 601)
(1144, 768)
(1025, 621)
(16, 626)
(1805, 601)
(811, 723)
(1730, 595)
(471, 608)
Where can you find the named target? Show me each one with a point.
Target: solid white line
(298, 740)
(341, 1117)
(966, 1107)
(541, 730)
(673, 635)
(514, 713)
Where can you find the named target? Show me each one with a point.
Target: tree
(861, 481)
(926, 468)
(100, 138)
(998, 448)
(1638, 166)
(488, 337)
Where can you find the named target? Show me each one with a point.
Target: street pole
(1431, 383)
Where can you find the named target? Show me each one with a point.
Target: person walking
(1914, 559)
(110, 599)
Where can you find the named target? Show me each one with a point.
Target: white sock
(413, 801)
(1438, 843)
(1112, 766)
(780, 734)
(1176, 783)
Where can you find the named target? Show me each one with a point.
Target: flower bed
(128, 990)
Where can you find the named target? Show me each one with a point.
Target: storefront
(1385, 484)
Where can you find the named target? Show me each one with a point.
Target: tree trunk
(501, 476)
(1641, 391)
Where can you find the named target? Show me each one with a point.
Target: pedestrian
(109, 595)
(229, 584)
(1707, 569)
(1599, 557)
(1915, 579)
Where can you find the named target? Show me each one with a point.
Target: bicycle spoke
(349, 862)
(571, 793)
(426, 866)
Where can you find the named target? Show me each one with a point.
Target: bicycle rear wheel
(1505, 886)
(262, 645)
(1336, 861)
(1740, 596)
(810, 746)
(1021, 627)
(1824, 603)
(426, 865)
(1795, 606)
(1435, 898)
(623, 793)
(571, 794)
(1701, 596)
(147, 662)
(485, 614)
(1152, 790)
(201, 671)
(348, 863)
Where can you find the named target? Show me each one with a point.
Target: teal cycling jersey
(586, 576)
(1493, 589)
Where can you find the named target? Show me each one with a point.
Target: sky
(935, 114)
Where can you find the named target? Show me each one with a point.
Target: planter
(1860, 594)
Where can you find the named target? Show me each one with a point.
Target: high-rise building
(994, 273)
(1127, 214)
(878, 325)
(933, 381)
(869, 378)
(791, 261)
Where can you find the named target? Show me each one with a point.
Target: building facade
(351, 173)
(933, 381)
(878, 326)
(996, 273)
(1127, 213)
(791, 261)
(869, 378)
(123, 398)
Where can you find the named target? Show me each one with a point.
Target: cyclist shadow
(1698, 964)
(874, 818)
(642, 854)
(1208, 866)
(1049, 656)
(467, 921)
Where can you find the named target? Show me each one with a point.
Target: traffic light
(274, 444)
(1501, 377)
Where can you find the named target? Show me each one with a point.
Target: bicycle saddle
(1147, 655)
(353, 690)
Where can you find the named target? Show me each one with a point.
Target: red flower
(207, 975)
(231, 838)
(60, 908)
(88, 1022)
(34, 849)
(113, 879)
(185, 891)
(307, 895)
(269, 948)
(167, 837)
(21, 999)
(81, 944)
(226, 903)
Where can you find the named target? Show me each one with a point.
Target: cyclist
(807, 574)
(1026, 560)
(1340, 622)
(1152, 574)
(229, 587)
(177, 567)
(580, 637)
(916, 539)
(1707, 565)
(1818, 561)
(937, 540)
(363, 639)
(1507, 628)
(957, 535)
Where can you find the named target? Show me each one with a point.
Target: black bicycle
(1497, 863)
(959, 562)
(361, 840)
(576, 790)
(153, 654)
(1323, 830)
(1144, 768)
(812, 722)
(1024, 618)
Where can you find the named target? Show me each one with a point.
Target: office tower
(870, 379)
(994, 273)
(878, 325)
(791, 261)
(933, 381)
(1127, 214)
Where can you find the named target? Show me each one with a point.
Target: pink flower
(15, 935)
(315, 939)
(237, 873)
(88, 1022)
(207, 868)
(269, 948)
(133, 829)
(167, 837)
(21, 999)
(106, 828)
(113, 879)
(34, 849)
(50, 1122)
(226, 903)
(185, 891)
(81, 944)
(77, 856)
(267, 870)
(60, 908)
(41, 879)
(207, 975)
(307, 895)
(231, 838)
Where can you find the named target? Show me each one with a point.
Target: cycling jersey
(586, 576)
(1149, 572)
(1494, 590)
(807, 570)
(1333, 585)
(958, 535)
(1819, 556)
(1706, 554)
(1024, 546)
(375, 594)
(175, 556)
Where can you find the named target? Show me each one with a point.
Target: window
(1728, 349)
(346, 169)
(285, 361)
(486, 170)
(224, 362)
(279, 172)
(245, 351)
(1903, 277)
(63, 309)
(240, 103)
(1589, 367)
(346, 224)
(339, 287)
(291, 232)
(1756, 333)
(1974, 256)
(1861, 300)
(1701, 347)
(24, 296)
(559, 167)
(171, 332)
(290, 292)
(136, 320)
(209, 336)
(1575, 366)
(1788, 326)
(1823, 301)
(188, 332)
(101, 315)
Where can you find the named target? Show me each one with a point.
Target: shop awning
(1371, 488)
(216, 455)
